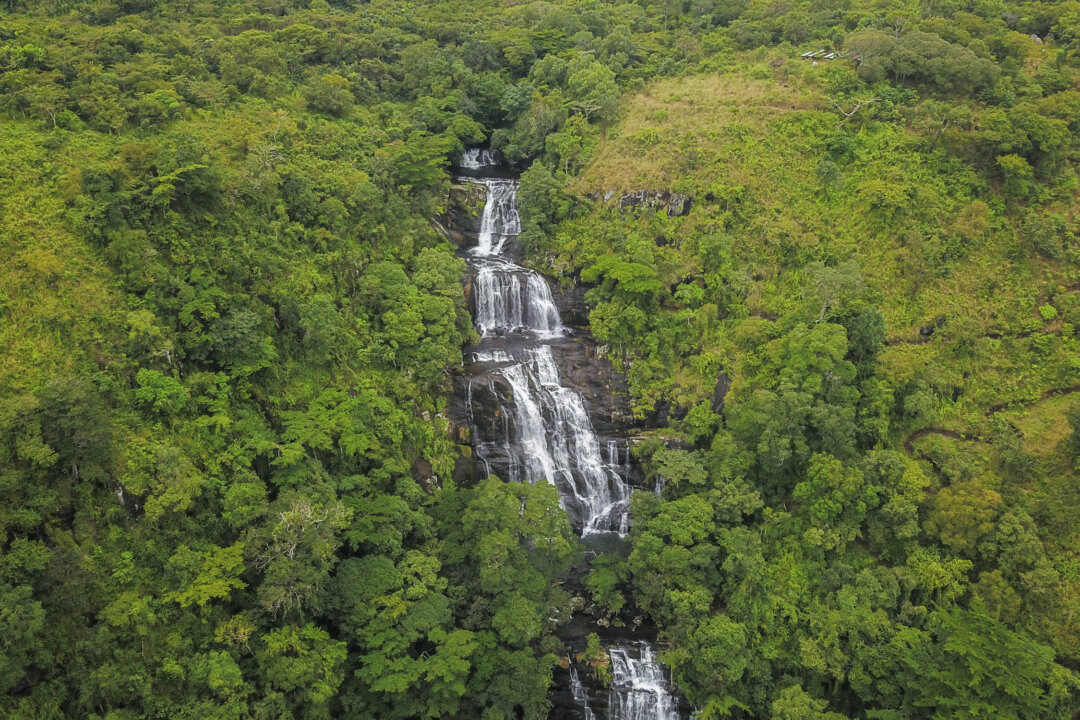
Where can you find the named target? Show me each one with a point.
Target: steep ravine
(539, 405)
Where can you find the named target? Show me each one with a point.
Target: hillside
(231, 482)
(955, 298)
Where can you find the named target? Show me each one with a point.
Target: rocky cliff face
(603, 390)
(674, 204)
(582, 369)
(572, 306)
(461, 221)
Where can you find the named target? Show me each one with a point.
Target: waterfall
(639, 690)
(492, 356)
(499, 221)
(578, 692)
(547, 435)
(476, 158)
(553, 441)
(510, 298)
(529, 426)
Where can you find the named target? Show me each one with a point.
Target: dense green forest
(228, 332)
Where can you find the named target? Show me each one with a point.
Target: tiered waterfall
(530, 426)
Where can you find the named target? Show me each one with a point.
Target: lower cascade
(639, 689)
(530, 426)
(544, 435)
(577, 691)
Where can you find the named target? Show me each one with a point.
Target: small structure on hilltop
(816, 55)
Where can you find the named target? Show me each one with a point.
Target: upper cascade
(500, 220)
(476, 158)
(509, 298)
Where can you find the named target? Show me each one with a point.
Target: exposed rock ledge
(464, 206)
(674, 204)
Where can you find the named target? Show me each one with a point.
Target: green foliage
(543, 203)
(330, 94)
(228, 330)
(922, 56)
(854, 459)
(795, 704)
(304, 664)
(970, 664)
(216, 406)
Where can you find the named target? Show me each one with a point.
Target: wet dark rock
(663, 414)
(928, 330)
(422, 473)
(723, 384)
(572, 306)
(464, 469)
(464, 207)
(453, 235)
(674, 204)
(604, 391)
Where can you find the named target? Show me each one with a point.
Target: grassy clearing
(682, 131)
(974, 313)
(56, 301)
(934, 245)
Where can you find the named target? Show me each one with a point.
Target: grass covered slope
(958, 272)
(893, 464)
(56, 298)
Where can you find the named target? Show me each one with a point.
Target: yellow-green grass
(57, 300)
(760, 137)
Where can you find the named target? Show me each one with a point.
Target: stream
(543, 408)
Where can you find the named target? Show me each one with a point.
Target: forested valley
(829, 248)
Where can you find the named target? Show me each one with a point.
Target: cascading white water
(499, 220)
(476, 158)
(491, 356)
(552, 438)
(510, 298)
(540, 430)
(577, 691)
(639, 690)
(554, 442)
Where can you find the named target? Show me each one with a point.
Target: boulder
(460, 224)
(723, 384)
